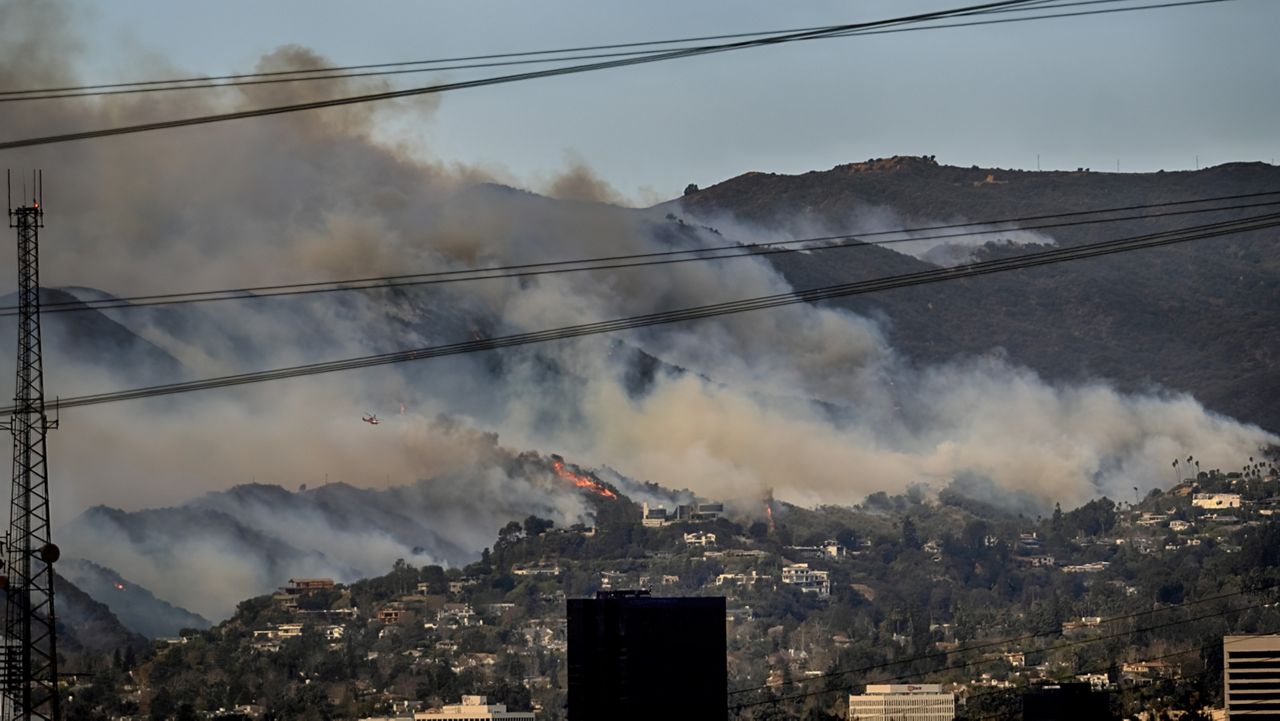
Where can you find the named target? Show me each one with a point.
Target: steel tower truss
(30, 662)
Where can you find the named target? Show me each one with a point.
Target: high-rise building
(633, 656)
(1251, 677)
(903, 702)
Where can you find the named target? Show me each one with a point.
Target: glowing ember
(119, 586)
(586, 483)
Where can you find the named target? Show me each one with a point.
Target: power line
(519, 77)
(639, 260)
(465, 58)
(1020, 262)
(524, 58)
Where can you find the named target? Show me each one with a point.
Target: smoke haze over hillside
(810, 402)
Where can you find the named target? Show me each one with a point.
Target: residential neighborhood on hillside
(1006, 604)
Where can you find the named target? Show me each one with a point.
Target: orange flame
(584, 482)
(768, 513)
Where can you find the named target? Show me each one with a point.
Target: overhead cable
(518, 77)
(495, 60)
(641, 260)
(1021, 262)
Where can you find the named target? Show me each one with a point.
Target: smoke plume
(812, 403)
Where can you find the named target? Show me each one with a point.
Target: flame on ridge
(584, 482)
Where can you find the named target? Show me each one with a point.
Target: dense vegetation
(925, 578)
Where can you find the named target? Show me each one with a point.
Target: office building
(473, 708)
(1251, 683)
(903, 702)
(633, 656)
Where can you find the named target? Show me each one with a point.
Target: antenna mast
(30, 658)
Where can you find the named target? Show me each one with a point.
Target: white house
(807, 579)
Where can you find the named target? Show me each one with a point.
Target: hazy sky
(276, 200)
(1151, 89)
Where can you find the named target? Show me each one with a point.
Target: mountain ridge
(1068, 322)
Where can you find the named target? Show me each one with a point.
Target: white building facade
(903, 702)
(474, 708)
(807, 579)
(1251, 676)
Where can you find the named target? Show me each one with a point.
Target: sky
(1167, 88)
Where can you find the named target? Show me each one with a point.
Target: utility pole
(30, 670)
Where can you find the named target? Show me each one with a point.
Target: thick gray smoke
(211, 552)
(319, 196)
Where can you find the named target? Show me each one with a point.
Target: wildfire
(586, 483)
(768, 514)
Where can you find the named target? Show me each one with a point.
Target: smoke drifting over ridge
(810, 402)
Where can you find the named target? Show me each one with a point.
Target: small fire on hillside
(585, 482)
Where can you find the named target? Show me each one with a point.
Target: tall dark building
(633, 656)
(1066, 702)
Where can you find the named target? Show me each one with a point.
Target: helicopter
(371, 419)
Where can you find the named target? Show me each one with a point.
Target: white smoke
(812, 403)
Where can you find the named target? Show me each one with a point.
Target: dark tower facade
(30, 678)
(1066, 702)
(633, 656)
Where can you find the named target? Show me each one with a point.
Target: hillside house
(457, 614)
(308, 585)
(392, 613)
(698, 512)
(456, 587)
(740, 579)
(808, 580)
(828, 549)
(653, 517)
(1216, 501)
(700, 538)
(536, 569)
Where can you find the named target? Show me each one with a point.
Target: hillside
(137, 608)
(1196, 317)
(86, 627)
(209, 553)
(913, 588)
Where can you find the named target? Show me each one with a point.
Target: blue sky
(1150, 89)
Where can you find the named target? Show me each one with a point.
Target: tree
(910, 538)
(847, 537)
(534, 526)
(691, 188)
(509, 534)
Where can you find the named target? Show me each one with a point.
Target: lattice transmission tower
(30, 658)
